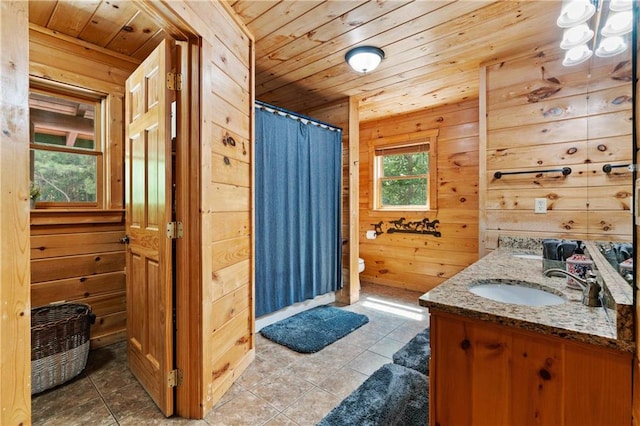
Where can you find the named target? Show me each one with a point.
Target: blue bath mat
(312, 330)
(416, 353)
(393, 396)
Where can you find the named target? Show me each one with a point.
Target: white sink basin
(517, 293)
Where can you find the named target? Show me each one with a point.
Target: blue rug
(392, 396)
(416, 353)
(312, 330)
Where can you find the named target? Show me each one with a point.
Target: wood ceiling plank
(474, 45)
(40, 11)
(134, 34)
(143, 51)
(249, 10)
(324, 33)
(70, 17)
(269, 67)
(305, 26)
(279, 15)
(332, 53)
(107, 21)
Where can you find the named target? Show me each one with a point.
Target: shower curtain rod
(296, 116)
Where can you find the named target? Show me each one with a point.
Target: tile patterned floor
(281, 387)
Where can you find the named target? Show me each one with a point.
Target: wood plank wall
(542, 115)
(77, 256)
(15, 344)
(421, 262)
(226, 173)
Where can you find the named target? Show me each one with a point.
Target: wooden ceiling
(432, 48)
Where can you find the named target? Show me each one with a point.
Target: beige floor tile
(277, 353)
(231, 393)
(282, 391)
(314, 369)
(312, 407)
(128, 401)
(108, 380)
(364, 337)
(343, 382)
(245, 409)
(281, 420)
(262, 369)
(151, 415)
(387, 347)
(408, 331)
(93, 412)
(73, 393)
(341, 352)
(368, 362)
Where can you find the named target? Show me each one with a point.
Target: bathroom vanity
(498, 363)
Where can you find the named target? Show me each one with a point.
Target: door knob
(124, 240)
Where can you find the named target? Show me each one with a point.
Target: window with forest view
(66, 155)
(402, 177)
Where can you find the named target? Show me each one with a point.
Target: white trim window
(66, 149)
(404, 172)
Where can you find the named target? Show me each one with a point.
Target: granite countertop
(571, 320)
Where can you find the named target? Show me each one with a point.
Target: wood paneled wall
(77, 256)
(15, 315)
(421, 262)
(225, 197)
(541, 115)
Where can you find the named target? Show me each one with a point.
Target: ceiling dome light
(364, 59)
(576, 12)
(576, 36)
(618, 24)
(577, 55)
(611, 46)
(620, 5)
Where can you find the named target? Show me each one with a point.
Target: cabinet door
(536, 382)
(470, 374)
(487, 374)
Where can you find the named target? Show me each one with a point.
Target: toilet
(360, 264)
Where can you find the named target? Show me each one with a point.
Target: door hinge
(174, 378)
(174, 81)
(174, 230)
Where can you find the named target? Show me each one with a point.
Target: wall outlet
(540, 205)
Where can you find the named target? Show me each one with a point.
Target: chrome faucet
(590, 287)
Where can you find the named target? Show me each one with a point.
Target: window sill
(75, 216)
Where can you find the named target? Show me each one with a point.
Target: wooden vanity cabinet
(482, 373)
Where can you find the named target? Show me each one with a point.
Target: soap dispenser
(578, 264)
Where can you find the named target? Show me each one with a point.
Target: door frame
(188, 294)
(188, 277)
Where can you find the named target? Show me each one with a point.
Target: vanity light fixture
(364, 59)
(610, 39)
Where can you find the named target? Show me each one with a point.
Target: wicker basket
(59, 343)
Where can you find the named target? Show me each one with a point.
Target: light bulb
(577, 55)
(611, 46)
(618, 24)
(576, 12)
(620, 5)
(576, 36)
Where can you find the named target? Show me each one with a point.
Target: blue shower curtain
(297, 207)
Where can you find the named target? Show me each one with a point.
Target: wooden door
(148, 210)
